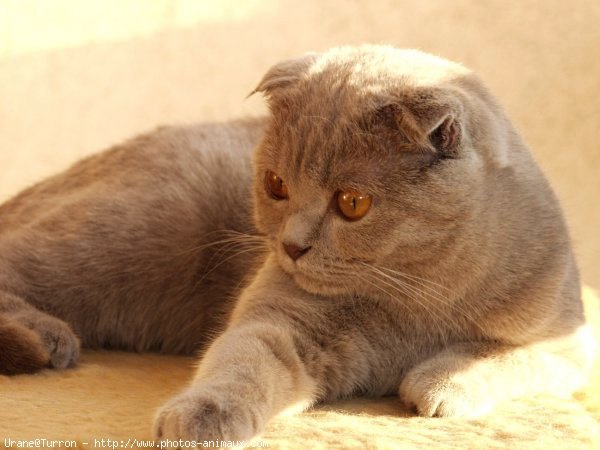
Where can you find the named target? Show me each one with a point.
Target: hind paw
(57, 337)
(22, 349)
(60, 341)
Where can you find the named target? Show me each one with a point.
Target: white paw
(204, 414)
(438, 391)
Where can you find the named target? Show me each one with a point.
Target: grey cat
(391, 235)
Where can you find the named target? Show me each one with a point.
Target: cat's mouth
(319, 277)
(322, 285)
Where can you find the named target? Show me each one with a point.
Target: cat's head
(368, 163)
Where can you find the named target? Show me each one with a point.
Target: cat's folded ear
(284, 74)
(424, 121)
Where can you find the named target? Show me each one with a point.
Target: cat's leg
(469, 379)
(249, 374)
(31, 338)
(21, 350)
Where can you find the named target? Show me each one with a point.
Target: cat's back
(121, 242)
(164, 158)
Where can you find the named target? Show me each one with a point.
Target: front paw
(204, 414)
(438, 389)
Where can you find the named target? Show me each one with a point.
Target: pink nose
(294, 251)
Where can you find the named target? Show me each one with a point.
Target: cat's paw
(202, 414)
(57, 337)
(22, 349)
(437, 390)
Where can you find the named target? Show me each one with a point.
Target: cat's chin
(316, 283)
(319, 286)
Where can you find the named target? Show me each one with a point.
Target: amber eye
(275, 186)
(353, 205)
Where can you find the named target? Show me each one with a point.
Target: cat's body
(413, 246)
(117, 245)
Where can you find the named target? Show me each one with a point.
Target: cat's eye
(275, 186)
(353, 204)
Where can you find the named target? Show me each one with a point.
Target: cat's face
(359, 170)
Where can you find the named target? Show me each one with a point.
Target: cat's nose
(294, 251)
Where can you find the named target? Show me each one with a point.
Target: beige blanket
(113, 396)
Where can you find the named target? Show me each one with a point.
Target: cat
(390, 233)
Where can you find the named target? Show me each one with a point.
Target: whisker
(223, 261)
(227, 248)
(403, 284)
(436, 320)
(435, 297)
(414, 277)
(235, 237)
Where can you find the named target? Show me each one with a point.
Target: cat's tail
(21, 350)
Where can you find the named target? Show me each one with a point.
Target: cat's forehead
(326, 152)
